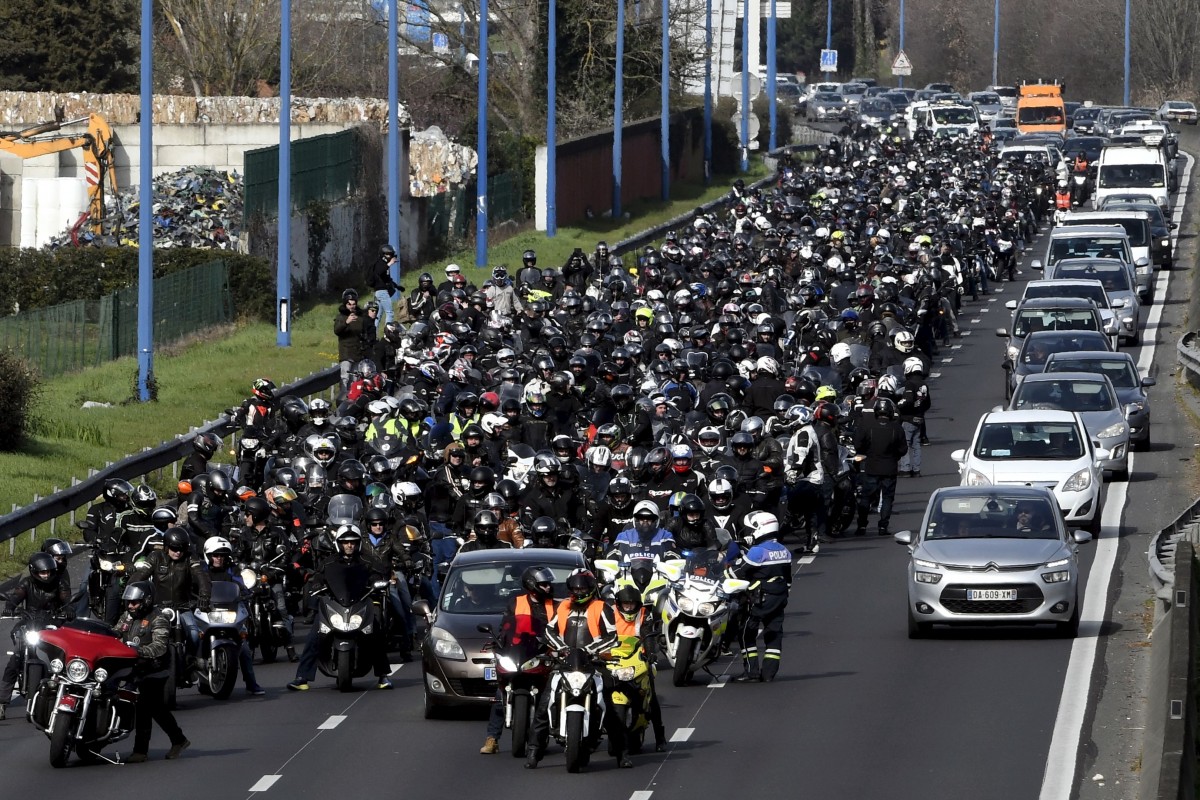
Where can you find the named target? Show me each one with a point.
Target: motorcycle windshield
(860, 355)
(343, 509)
(705, 562)
(347, 583)
(225, 594)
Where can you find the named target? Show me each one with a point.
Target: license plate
(991, 594)
(489, 673)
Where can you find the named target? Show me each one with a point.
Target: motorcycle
(632, 672)
(346, 626)
(522, 676)
(108, 569)
(267, 630)
(576, 705)
(216, 663)
(25, 638)
(695, 610)
(251, 457)
(79, 707)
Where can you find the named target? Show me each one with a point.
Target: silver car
(1093, 398)
(1122, 293)
(826, 106)
(1122, 373)
(993, 555)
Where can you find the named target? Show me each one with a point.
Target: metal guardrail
(1188, 350)
(134, 466)
(1169, 749)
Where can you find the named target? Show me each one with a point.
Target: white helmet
(888, 384)
(746, 366)
(492, 422)
(720, 487)
(405, 490)
(644, 507)
(216, 545)
(912, 365)
(599, 456)
(839, 352)
(708, 433)
(762, 525)
(768, 365)
(378, 408)
(905, 341)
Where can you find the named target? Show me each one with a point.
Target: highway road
(858, 710)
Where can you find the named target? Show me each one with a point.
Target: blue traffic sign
(441, 42)
(829, 60)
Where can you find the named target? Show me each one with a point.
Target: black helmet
(351, 474)
(510, 490)
(622, 396)
(144, 498)
(177, 539)
(139, 592)
(539, 582)
(487, 526)
(257, 509)
(163, 517)
(582, 585)
(485, 477)
(387, 252)
(741, 439)
(543, 531)
(691, 504)
(219, 485)
(375, 514)
(629, 602)
(56, 548)
(206, 444)
(884, 408)
(117, 491)
(620, 487)
(43, 569)
(263, 388)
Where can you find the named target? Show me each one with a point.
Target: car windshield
(954, 116)
(996, 516)
(1020, 441)
(1120, 372)
(1086, 247)
(1065, 395)
(787, 90)
(1115, 278)
(1081, 290)
(1040, 115)
(985, 98)
(1086, 113)
(877, 106)
(1130, 176)
(487, 588)
(1180, 106)
(1038, 346)
(1030, 320)
(826, 97)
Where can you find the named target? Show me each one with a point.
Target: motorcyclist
(646, 539)
(805, 476)
(264, 543)
(208, 511)
(636, 624)
(385, 548)
(768, 566)
(545, 497)
(524, 627)
(583, 621)
(218, 557)
(692, 529)
(41, 593)
(487, 533)
(145, 628)
(179, 582)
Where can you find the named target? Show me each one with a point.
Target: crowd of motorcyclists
(757, 379)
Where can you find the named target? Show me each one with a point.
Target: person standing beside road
(348, 328)
(379, 278)
(913, 403)
(880, 444)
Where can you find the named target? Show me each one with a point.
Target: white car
(1039, 448)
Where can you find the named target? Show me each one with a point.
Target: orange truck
(1040, 107)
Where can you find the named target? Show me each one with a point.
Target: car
(824, 106)
(939, 87)
(787, 95)
(1138, 232)
(876, 112)
(1083, 121)
(854, 93)
(1162, 249)
(1031, 358)
(1093, 398)
(1050, 314)
(1122, 372)
(456, 658)
(1120, 293)
(988, 103)
(1042, 448)
(1082, 288)
(1090, 146)
(1008, 95)
(897, 98)
(993, 555)
(1177, 111)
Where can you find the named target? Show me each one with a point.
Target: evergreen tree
(69, 45)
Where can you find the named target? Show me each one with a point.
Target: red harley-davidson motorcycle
(79, 705)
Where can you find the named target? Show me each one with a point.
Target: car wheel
(916, 628)
(432, 711)
(1070, 628)
(1093, 527)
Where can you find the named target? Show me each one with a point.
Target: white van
(943, 118)
(1126, 169)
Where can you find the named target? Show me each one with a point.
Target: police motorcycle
(694, 610)
(79, 706)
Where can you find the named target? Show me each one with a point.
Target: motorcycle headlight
(706, 609)
(575, 545)
(506, 664)
(1116, 429)
(1166, 242)
(222, 617)
(577, 680)
(32, 638)
(686, 605)
(56, 666)
(624, 673)
(249, 444)
(446, 646)
(1079, 481)
(977, 478)
(101, 675)
(77, 670)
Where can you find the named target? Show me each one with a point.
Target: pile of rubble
(194, 207)
(436, 164)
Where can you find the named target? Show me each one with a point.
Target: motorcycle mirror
(422, 607)
(483, 627)
(380, 584)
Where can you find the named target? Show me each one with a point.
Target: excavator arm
(97, 146)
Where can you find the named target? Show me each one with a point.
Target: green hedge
(38, 278)
(18, 389)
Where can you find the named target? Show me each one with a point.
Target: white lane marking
(332, 722)
(976, 321)
(947, 360)
(641, 795)
(265, 782)
(1062, 761)
(719, 682)
(985, 309)
(991, 299)
(682, 734)
(956, 347)
(395, 669)
(937, 374)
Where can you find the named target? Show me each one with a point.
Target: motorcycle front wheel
(576, 747)
(266, 638)
(224, 672)
(520, 724)
(60, 741)
(345, 673)
(682, 673)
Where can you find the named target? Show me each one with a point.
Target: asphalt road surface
(858, 710)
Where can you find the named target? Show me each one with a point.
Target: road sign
(441, 43)
(829, 61)
(901, 66)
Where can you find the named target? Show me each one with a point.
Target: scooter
(79, 707)
(347, 629)
(695, 610)
(522, 676)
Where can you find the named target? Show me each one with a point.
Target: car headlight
(77, 670)
(1116, 429)
(977, 478)
(1060, 576)
(1166, 242)
(1079, 481)
(927, 577)
(446, 646)
(922, 563)
(1062, 562)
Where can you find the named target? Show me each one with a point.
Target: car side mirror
(422, 607)
(959, 455)
(1147, 382)
(1002, 332)
(1081, 537)
(1120, 302)
(1102, 454)
(1142, 262)
(1011, 305)
(1036, 264)
(1174, 225)
(483, 627)
(903, 537)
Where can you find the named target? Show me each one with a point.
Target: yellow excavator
(97, 145)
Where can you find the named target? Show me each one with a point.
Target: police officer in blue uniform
(768, 566)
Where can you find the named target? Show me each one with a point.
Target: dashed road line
(332, 722)
(641, 795)
(682, 734)
(265, 783)
(935, 374)
(719, 682)
(947, 360)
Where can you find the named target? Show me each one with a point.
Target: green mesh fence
(324, 168)
(84, 333)
(446, 216)
(505, 198)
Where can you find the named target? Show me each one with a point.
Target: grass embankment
(198, 380)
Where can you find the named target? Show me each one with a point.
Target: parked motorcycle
(80, 707)
(695, 610)
(576, 705)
